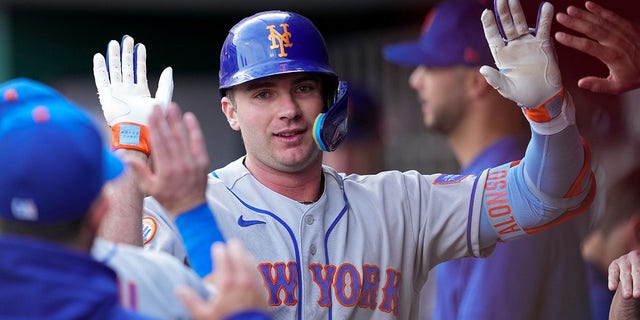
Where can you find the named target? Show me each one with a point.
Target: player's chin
(297, 159)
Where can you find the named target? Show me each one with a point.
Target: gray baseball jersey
(147, 279)
(362, 251)
(159, 232)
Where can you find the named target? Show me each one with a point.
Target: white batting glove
(124, 94)
(528, 67)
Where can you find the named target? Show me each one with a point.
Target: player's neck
(480, 130)
(467, 140)
(304, 186)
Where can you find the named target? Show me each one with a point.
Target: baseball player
(32, 214)
(51, 204)
(335, 246)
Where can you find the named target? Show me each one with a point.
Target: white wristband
(566, 118)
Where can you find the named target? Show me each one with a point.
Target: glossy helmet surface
(270, 43)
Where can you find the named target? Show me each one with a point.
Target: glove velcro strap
(129, 135)
(553, 115)
(547, 110)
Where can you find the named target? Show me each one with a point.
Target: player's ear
(229, 110)
(93, 220)
(99, 209)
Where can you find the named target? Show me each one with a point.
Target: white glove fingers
(126, 55)
(545, 18)
(519, 19)
(113, 62)
(164, 94)
(140, 61)
(507, 26)
(491, 32)
(100, 75)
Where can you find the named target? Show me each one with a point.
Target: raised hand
(528, 67)
(624, 277)
(528, 70)
(238, 286)
(124, 94)
(610, 38)
(179, 159)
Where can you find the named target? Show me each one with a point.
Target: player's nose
(416, 79)
(288, 107)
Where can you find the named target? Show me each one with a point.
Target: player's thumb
(164, 94)
(192, 302)
(492, 76)
(142, 173)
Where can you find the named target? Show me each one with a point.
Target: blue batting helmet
(278, 42)
(270, 43)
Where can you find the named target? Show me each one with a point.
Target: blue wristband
(199, 230)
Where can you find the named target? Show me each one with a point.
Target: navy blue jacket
(40, 280)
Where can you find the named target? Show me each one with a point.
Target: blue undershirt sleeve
(521, 197)
(199, 230)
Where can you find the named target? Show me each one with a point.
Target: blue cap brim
(404, 53)
(414, 54)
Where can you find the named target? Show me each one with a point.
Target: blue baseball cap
(53, 159)
(451, 35)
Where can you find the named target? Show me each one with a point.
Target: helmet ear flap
(331, 127)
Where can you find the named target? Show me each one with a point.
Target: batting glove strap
(129, 135)
(553, 115)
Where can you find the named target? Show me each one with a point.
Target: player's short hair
(60, 232)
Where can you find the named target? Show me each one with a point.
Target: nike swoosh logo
(246, 223)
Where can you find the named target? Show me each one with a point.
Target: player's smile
(290, 136)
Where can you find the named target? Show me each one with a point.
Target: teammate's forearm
(123, 223)
(199, 230)
(553, 162)
(552, 179)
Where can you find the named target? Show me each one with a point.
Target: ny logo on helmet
(279, 40)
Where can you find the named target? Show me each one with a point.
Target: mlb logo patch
(24, 209)
(449, 179)
(149, 227)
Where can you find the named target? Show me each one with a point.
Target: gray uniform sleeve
(159, 231)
